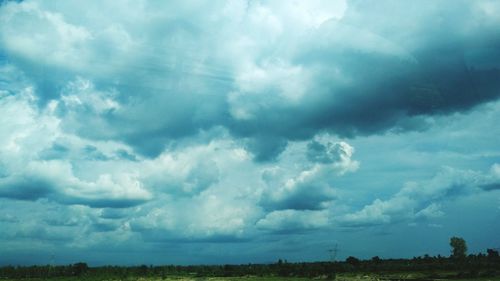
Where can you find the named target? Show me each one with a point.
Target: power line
(333, 252)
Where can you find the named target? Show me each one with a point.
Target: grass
(340, 277)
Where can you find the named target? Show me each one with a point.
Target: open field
(340, 277)
(479, 267)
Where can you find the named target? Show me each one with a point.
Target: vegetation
(472, 266)
(457, 266)
(459, 247)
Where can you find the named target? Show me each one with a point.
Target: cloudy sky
(187, 132)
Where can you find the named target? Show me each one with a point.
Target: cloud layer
(131, 124)
(251, 68)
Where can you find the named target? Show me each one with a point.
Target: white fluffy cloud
(267, 71)
(207, 217)
(146, 121)
(421, 200)
(312, 188)
(294, 221)
(68, 169)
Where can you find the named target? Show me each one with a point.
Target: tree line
(458, 263)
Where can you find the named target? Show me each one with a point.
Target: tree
(492, 253)
(80, 268)
(352, 261)
(458, 247)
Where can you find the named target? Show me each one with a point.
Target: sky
(206, 132)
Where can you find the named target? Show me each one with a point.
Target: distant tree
(143, 270)
(80, 268)
(458, 247)
(376, 259)
(352, 260)
(492, 253)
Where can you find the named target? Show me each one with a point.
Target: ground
(340, 277)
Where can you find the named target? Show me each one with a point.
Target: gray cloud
(491, 186)
(359, 75)
(55, 180)
(311, 188)
(25, 187)
(57, 151)
(266, 148)
(111, 213)
(8, 218)
(210, 218)
(329, 152)
(100, 203)
(305, 197)
(293, 221)
(422, 200)
(179, 123)
(123, 154)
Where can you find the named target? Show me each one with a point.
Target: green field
(340, 277)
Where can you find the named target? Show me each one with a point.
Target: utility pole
(51, 264)
(333, 253)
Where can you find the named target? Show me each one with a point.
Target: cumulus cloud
(308, 191)
(42, 224)
(311, 188)
(286, 221)
(67, 169)
(31, 162)
(421, 200)
(184, 173)
(55, 180)
(266, 75)
(211, 218)
(144, 121)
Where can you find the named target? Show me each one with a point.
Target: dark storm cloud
(360, 75)
(491, 186)
(25, 188)
(266, 148)
(389, 89)
(142, 125)
(384, 91)
(380, 87)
